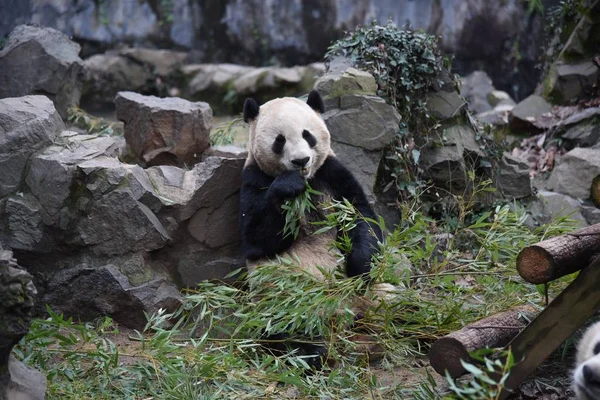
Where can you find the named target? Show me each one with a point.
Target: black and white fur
(289, 145)
(586, 375)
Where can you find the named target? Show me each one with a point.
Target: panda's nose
(301, 162)
(590, 376)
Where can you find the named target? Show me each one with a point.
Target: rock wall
(103, 237)
(257, 32)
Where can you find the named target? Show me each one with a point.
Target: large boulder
(88, 290)
(38, 60)
(167, 131)
(51, 171)
(27, 124)
(138, 227)
(361, 123)
(204, 203)
(17, 296)
(575, 171)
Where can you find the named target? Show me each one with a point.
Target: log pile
(533, 337)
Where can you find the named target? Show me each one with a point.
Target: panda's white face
(288, 135)
(586, 376)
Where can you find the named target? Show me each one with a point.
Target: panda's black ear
(250, 109)
(315, 101)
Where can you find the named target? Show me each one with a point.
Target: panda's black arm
(261, 220)
(365, 235)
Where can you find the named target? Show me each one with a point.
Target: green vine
(406, 64)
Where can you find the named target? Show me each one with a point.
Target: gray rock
(136, 69)
(499, 97)
(106, 290)
(361, 125)
(205, 201)
(57, 71)
(349, 81)
(23, 382)
(513, 178)
(362, 163)
(575, 172)
(212, 77)
(582, 115)
(362, 121)
(259, 79)
(444, 105)
(195, 267)
(569, 81)
(550, 205)
(117, 224)
(591, 214)
(498, 116)
(475, 88)
(525, 113)
(24, 221)
(215, 226)
(51, 172)
(447, 165)
(27, 124)
(160, 62)
(207, 186)
(169, 131)
(584, 134)
(109, 73)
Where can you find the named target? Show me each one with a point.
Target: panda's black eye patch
(278, 144)
(310, 139)
(597, 348)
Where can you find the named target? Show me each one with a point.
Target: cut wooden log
(595, 191)
(558, 256)
(568, 312)
(497, 330)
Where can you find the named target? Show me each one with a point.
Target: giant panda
(290, 145)
(586, 375)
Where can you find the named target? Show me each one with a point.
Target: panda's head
(287, 134)
(586, 377)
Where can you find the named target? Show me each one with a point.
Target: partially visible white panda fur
(586, 376)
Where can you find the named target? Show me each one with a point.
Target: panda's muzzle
(301, 162)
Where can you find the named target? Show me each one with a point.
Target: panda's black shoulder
(254, 175)
(336, 176)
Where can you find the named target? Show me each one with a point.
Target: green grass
(212, 347)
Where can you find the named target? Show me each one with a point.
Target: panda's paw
(358, 261)
(288, 185)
